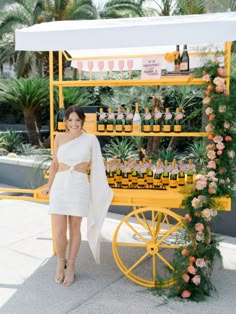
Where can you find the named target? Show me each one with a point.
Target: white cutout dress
(71, 192)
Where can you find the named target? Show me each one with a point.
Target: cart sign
(151, 68)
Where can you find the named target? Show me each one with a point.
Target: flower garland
(194, 263)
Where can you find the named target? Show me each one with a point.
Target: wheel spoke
(165, 261)
(135, 231)
(131, 244)
(137, 263)
(154, 267)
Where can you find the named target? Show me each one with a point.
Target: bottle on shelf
(137, 119)
(149, 179)
(119, 120)
(61, 125)
(118, 176)
(110, 120)
(181, 174)
(178, 120)
(125, 176)
(184, 60)
(135, 174)
(147, 121)
(111, 174)
(166, 173)
(157, 116)
(157, 180)
(190, 171)
(101, 125)
(167, 120)
(173, 175)
(177, 59)
(141, 182)
(128, 120)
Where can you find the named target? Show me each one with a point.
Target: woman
(72, 196)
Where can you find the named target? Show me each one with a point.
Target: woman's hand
(45, 192)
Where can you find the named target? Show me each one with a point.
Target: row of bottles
(131, 174)
(182, 60)
(149, 122)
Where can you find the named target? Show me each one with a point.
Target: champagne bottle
(147, 121)
(166, 173)
(101, 120)
(177, 59)
(167, 120)
(125, 176)
(110, 174)
(110, 120)
(177, 120)
(61, 125)
(173, 174)
(157, 181)
(119, 120)
(181, 174)
(150, 174)
(134, 175)
(184, 60)
(190, 171)
(128, 120)
(157, 115)
(136, 119)
(141, 182)
(118, 174)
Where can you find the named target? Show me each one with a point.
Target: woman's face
(74, 123)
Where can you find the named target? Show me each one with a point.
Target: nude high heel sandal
(70, 274)
(61, 265)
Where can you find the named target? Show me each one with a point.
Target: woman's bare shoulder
(61, 138)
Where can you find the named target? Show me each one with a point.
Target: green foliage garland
(194, 263)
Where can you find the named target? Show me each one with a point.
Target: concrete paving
(27, 269)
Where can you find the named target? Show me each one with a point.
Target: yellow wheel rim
(144, 242)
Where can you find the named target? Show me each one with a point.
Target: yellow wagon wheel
(144, 242)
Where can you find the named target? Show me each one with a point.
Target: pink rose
(185, 277)
(208, 110)
(206, 78)
(211, 164)
(192, 259)
(218, 139)
(191, 270)
(188, 218)
(199, 227)
(206, 100)
(228, 138)
(186, 294)
(200, 262)
(185, 252)
(209, 127)
(220, 145)
(196, 203)
(211, 191)
(196, 280)
(219, 89)
(219, 152)
(221, 72)
(218, 81)
(222, 108)
(231, 154)
(210, 147)
(226, 125)
(211, 154)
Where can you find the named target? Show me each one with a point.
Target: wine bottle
(177, 59)
(118, 176)
(147, 121)
(181, 174)
(184, 60)
(137, 119)
(119, 120)
(128, 120)
(101, 120)
(167, 121)
(173, 174)
(157, 182)
(125, 176)
(110, 174)
(141, 182)
(177, 120)
(166, 173)
(110, 120)
(134, 175)
(157, 115)
(190, 171)
(150, 174)
(61, 125)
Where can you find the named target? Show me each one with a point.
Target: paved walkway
(27, 272)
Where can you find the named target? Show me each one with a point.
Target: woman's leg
(60, 228)
(74, 245)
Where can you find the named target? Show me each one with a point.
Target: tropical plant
(10, 141)
(163, 154)
(123, 149)
(28, 96)
(121, 8)
(186, 7)
(197, 152)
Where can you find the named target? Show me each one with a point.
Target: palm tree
(186, 7)
(28, 95)
(121, 9)
(221, 5)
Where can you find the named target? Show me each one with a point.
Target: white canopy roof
(128, 33)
